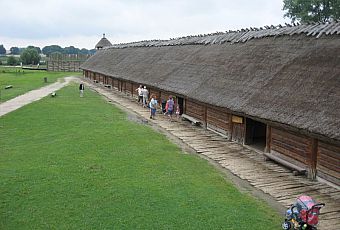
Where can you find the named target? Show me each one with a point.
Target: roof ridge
(243, 35)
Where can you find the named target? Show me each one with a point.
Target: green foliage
(14, 50)
(35, 47)
(30, 56)
(78, 163)
(2, 50)
(312, 10)
(71, 50)
(47, 50)
(12, 61)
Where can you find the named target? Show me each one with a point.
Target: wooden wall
(218, 119)
(66, 66)
(195, 109)
(295, 148)
(238, 132)
(328, 162)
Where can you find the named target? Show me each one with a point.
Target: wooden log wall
(218, 119)
(328, 162)
(128, 88)
(238, 132)
(115, 83)
(294, 147)
(65, 66)
(195, 109)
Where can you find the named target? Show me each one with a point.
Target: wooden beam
(205, 120)
(313, 158)
(230, 127)
(268, 138)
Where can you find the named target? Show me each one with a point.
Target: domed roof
(103, 43)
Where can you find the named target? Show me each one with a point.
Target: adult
(81, 89)
(140, 93)
(170, 107)
(153, 106)
(145, 94)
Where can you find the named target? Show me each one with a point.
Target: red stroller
(303, 215)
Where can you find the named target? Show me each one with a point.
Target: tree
(35, 47)
(312, 10)
(71, 50)
(14, 50)
(2, 50)
(47, 50)
(12, 61)
(30, 56)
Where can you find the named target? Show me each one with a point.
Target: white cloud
(78, 22)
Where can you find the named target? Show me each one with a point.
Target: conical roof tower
(103, 43)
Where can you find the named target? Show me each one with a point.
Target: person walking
(140, 93)
(81, 89)
(145, 94)
(170, 107)
(153, 106)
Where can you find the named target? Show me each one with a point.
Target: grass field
(79, 163)
(25, 80)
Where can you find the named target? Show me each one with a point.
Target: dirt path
(33, 95)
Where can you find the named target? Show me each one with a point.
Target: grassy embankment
(78, 163)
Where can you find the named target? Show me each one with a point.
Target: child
(177, 111)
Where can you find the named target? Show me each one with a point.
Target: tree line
(32, 54)
(47, 50)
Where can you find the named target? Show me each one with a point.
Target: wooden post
(205, 116)
(313, 158)
(268, 139)
(230, 127)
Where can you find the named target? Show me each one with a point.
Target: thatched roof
(289, 79)
(103, 43)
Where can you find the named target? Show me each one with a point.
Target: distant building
(103, 43)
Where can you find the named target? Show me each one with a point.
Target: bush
(12, 61)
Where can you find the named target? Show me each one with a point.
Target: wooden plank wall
(195, 109)
(218, 120)
(67, 66)
(238, 133)
(293, 146)
(328, 162)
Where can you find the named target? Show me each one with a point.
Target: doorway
(255, 134)
(180, 102)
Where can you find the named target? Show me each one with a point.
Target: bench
(193, 120)
(297, 170)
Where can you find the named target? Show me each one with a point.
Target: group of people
(143, 95)
(168, 109)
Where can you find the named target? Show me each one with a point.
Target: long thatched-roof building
(277, 89)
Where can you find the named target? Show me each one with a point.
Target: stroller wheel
(286, 225)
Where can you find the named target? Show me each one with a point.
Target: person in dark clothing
(81, 89)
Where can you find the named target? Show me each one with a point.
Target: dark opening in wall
(255, 134)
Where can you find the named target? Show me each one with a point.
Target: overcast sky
(81, 23)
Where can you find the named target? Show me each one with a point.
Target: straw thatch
(103, 43)
(292, 77)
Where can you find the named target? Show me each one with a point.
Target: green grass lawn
(26, 80)
(79, 163)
